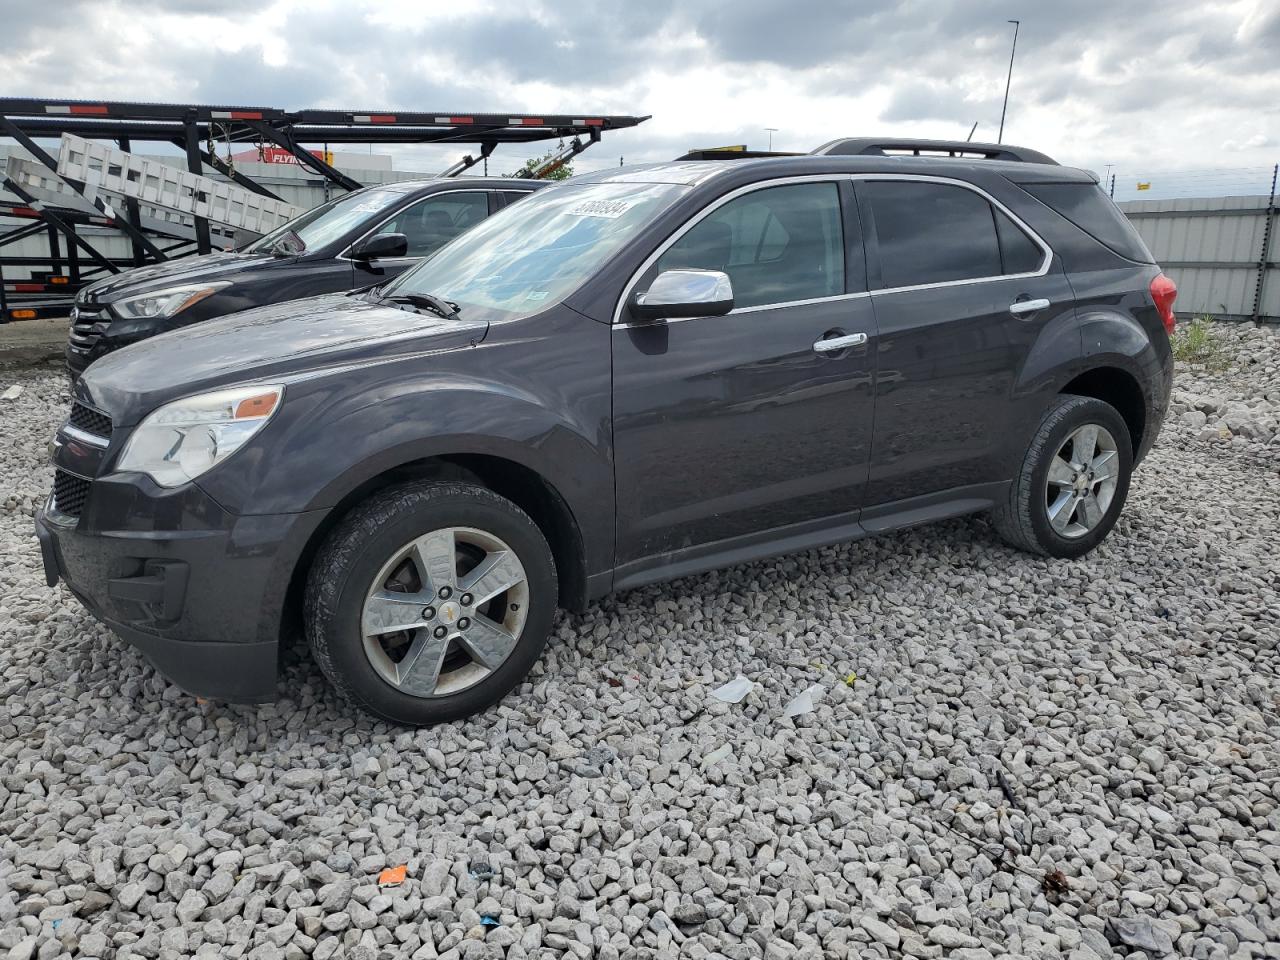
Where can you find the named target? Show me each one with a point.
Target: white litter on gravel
(735, 691)
(806, 702)
(1039, 758)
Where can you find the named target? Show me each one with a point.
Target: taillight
(1164, 291)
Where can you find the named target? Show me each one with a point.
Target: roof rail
(957, 149)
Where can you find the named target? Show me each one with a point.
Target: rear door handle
(1020, 307)
(833, 344)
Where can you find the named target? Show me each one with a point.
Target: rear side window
(511, 196)
(1085, 205)
(932, 233)
(777, 245)
(939, 233)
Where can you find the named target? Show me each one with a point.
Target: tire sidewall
(335, 615)
(1086, 411)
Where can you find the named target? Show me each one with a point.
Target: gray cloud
(1093, 80)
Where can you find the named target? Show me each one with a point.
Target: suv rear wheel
(1073, 481)
(430, 602)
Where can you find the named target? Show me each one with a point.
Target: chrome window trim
(85, 437)
(1018, 221)
(703, 214)
(409, 206)
(627, 289)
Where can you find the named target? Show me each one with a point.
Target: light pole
(772, 131)
(1009, 79)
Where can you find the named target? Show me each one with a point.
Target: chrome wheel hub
(445, 611)
(1082, 481)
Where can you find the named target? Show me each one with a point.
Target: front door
(731, 429)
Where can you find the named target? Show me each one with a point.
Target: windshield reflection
(537, 252)
(329, 221)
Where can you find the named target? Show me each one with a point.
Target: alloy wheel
(445, 611)
(1082, 481)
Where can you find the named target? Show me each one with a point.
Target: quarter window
(939, 233)
(777, 245)
(1018, 252)
(431, 223)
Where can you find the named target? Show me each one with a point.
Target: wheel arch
(1118, 388)
(525, 487)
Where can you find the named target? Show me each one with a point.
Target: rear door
(727, 428)
(962, 290)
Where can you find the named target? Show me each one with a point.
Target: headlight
(164, 303)
(183, 439)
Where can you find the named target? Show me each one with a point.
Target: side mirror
(383, 245)
(684, 293)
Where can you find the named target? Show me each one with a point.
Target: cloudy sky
(1184, 91)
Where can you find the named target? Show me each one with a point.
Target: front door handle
(1022, 307)
(833, 344)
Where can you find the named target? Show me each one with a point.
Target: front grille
(83, 334)
(90, 420)
(69, 493)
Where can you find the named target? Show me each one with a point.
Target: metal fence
(1221, 251)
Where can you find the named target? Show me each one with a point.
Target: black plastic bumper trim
(234, 672)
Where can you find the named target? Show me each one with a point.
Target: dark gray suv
(634, 375)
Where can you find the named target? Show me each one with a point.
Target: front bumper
(204, 601)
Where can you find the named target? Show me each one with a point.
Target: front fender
(542, 403)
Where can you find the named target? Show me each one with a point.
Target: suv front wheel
(1072, 483)
(430, 602)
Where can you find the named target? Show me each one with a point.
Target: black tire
(357, 549)
(1023, 519)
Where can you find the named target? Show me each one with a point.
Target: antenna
(969, 138)
(1009, 79)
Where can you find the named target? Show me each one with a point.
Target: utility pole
(772, 131)
(1009, 79)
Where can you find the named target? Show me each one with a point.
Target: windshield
(331, 220)
(537, 252)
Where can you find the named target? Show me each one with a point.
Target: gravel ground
(1028, 758)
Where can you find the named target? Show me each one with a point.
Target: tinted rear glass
(1085, 205)
(932, 233)
(1018, 252)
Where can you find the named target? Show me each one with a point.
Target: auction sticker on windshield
(610, 209)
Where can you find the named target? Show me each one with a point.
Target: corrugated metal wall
(1211, 247)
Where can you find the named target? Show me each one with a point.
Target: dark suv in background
(354, 240)
(636, 375)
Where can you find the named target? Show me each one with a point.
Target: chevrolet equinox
(635, 375)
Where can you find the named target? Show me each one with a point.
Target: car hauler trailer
(66, 202)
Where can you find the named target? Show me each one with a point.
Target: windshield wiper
(425, 301)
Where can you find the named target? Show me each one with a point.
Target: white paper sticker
(609, 209)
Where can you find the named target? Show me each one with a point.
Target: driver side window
(431, 223)
(777, 244)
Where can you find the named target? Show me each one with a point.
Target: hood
(170, 273)
(277, 343)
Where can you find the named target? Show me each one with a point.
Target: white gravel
(1105, 730)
